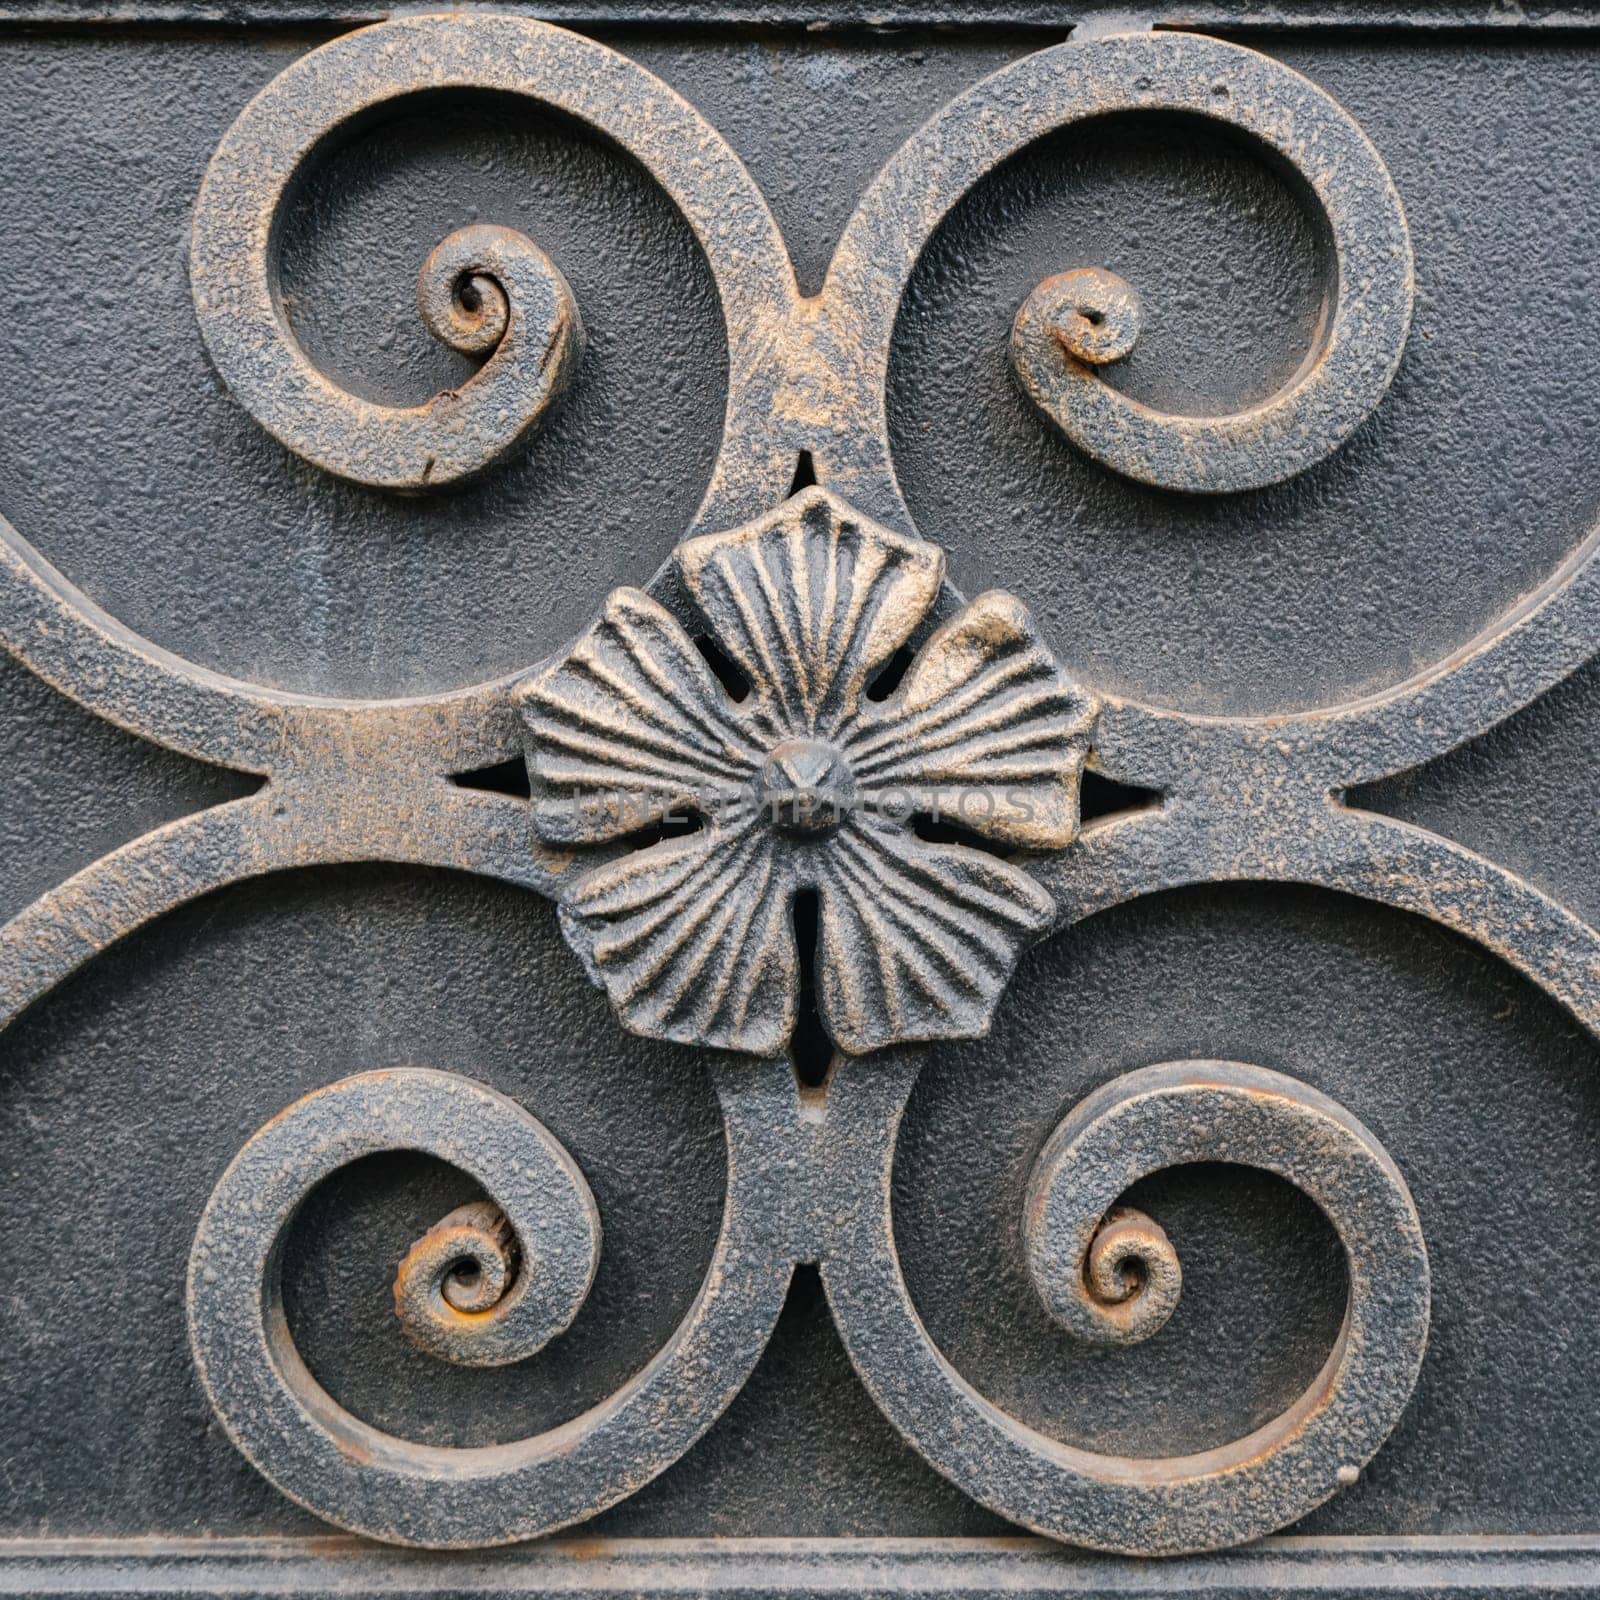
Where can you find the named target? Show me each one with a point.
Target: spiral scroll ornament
(1122, 1289)
(483, 291)
(805, 373)
(809, 1177)
(491, 1283)
(1078, 322)
(1111, 1276)
(454, 1284)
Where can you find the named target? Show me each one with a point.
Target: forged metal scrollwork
(1077, 322)
(467, 278)
(462, 1284)
(804, 374)
(539, 1200)
(371, 1482)
(1110, 1275)
(811, 1180)
(482, 291)
(806, 784)
(1114, 1280)
(1159, 1117)
(691, 936)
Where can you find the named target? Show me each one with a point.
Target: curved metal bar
(1335, 389)
(1144, 1121)
(373, 1483)
(539, 1206)
(1248, 798)
(274, 830)
(1521, 655)
(60, 635)
(321, 95)
(467, 1275)
(1324, 845)
(1398, 864)
(1110, 1277)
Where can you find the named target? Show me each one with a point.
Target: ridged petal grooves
(692, 937)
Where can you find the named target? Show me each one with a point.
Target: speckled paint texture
(1388, 904)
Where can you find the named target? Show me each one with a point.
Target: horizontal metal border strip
(968, 1569)
(1231, 16)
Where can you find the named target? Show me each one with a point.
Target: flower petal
(810, 600)
(628, 727)
(692, 940)
(985, 730)
(917, 941)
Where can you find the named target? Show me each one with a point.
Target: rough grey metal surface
(1387, 557)
(1429, 15)
(1329, 1569)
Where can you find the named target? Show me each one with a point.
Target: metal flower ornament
(805, 782)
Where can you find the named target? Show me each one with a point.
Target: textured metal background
(125, 1093)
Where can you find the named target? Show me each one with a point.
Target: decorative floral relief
(806, 783)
